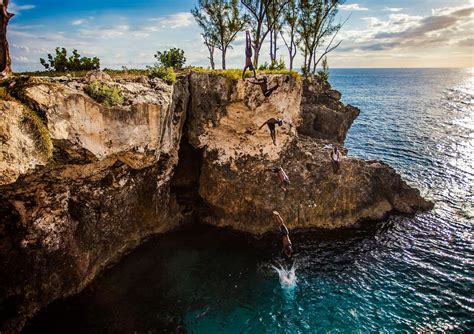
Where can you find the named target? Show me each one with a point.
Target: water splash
(286, 276)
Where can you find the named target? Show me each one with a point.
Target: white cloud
(78, 22)
(16, 9)
(393, 10)
(354, 6)
(173, 21)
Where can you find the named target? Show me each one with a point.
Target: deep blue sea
(406, 274)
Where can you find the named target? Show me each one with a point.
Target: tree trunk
(255, 57)
(223, 58)
(275, 36)
(5, 60)
(271, 46)
(211, 56)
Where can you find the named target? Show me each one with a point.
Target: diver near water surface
(287, 247)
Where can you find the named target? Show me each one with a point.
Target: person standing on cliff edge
(287, 248)
(248, 56)
(271, 123)
(336, 160)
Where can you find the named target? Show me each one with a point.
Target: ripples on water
(408, 273)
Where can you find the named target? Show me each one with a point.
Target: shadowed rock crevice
(186, 180)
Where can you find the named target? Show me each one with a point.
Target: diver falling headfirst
(248, 55)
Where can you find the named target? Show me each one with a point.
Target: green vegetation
(275, 65)
(235, 74)
(323, 74)
(60, 62)
(172, 58)
(103, 93)
(40, 132)
(122, 74)
(166, 74)
(5, 96)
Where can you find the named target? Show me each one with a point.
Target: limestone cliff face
(81, 183)
(104, 189)
(235, 180)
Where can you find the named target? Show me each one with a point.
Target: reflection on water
(404, 274)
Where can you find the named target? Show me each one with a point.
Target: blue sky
(403, 33)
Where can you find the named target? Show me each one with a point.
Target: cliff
(82, 183)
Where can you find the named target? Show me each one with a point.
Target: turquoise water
(404, 274)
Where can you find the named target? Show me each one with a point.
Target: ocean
(410, 274)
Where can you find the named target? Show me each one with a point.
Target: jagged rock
(97, 75)
(324, 116)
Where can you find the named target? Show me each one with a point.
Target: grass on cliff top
(236, 74)
(232, 74)
(116, 74)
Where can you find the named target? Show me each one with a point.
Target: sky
(402, 33)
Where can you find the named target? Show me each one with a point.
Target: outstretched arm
(261, 126)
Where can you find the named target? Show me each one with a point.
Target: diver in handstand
(287, 248)
(263, 83)
(271, 126)
(248, 56)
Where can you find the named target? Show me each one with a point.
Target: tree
(290, 17)
(5, 60)
(275, 15)
(221, 20)
(173, 57)
(315, 24)
(262, 21)
(211, 45)
(61, 63)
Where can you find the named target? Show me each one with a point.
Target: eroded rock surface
(103, 179)
(324, 116)
(105, 188)
(236, 182)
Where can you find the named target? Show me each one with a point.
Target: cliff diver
(263, 83)
(271, 125)
(336, 160)
(287, 248)
(282, 176)
(248, 55)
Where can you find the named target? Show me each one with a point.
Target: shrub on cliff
(274, 66)
(172, 58)
(103, 93)
(60, 62)
(323, 74)
(164, 73)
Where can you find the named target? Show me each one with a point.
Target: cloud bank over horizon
(400, 33)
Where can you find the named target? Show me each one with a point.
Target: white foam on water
(286, 276)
